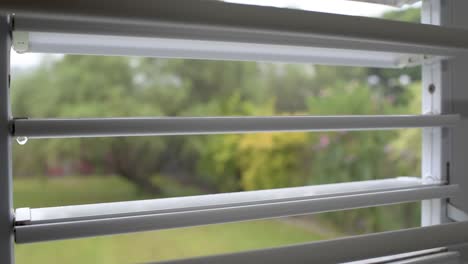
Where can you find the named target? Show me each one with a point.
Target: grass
(46, 192)
(140, 247)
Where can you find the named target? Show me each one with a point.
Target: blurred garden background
(79, 171)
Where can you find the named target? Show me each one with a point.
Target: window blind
(235, 32)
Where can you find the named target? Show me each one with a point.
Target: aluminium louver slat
(435, 255)
(111, 127)
(28, 232)
(199, 202)
(225, 16)
(349, 248)
(364, 41)
(86, 44)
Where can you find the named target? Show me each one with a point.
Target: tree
(89, 86)
(85, 86)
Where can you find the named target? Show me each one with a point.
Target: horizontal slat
(201, 49)
(437, 253)
(218, 21)
(113, 127)
(211, 201)
(203, 212)
(445, 258)
(455, 214)
(349, 248)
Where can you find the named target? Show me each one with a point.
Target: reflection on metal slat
(85, 44)
(427, 256)
(111, 127)
(28, 232)
(238, 23)
(349, 248)
(211, 201)
(445, 258)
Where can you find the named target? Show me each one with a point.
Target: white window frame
(435, 141)
(444, 150)
(442, 163)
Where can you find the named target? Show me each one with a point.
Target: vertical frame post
(6, 181)
(445, 150)
(436, 94)
(453, 14)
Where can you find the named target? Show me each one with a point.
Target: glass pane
(217, 239)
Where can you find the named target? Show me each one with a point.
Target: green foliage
(407, 15)
(86, 86)
(390, 81)
(72, 190)
(405, 150)
(273, 160)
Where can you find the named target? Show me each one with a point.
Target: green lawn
(140, 247)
